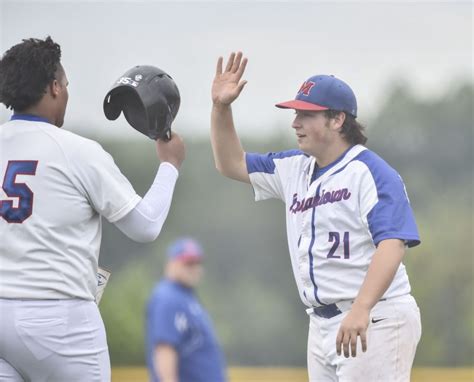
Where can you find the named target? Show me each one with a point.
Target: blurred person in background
(180, 341)
(56, 187)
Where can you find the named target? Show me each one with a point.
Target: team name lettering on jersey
(315, 201)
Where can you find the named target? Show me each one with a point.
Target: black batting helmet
(149, 99)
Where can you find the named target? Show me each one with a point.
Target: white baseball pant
(391, 345)
(53, 341)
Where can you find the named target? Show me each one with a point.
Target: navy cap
(185, 249)
(323, 92)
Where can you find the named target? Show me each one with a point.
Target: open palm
(227, 85)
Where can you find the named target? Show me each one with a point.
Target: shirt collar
(318, 171)
(28, 117)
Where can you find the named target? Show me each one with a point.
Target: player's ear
(54, 88)
(339, 119)
(60, 80)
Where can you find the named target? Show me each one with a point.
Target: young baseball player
(56, 186)
(349, 222)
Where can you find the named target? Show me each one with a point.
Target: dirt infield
(274, 374)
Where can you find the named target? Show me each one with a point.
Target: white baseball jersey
(335, 218)
(56, 185)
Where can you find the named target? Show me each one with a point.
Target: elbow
(147, 236)
(225, 171)
(221, 169)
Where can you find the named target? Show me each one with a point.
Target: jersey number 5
(335, 237)
(17, 190)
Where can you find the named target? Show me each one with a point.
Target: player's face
(313, 132)
(190, 273)
(62, 96)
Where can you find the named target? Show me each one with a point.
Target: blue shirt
(175, 317)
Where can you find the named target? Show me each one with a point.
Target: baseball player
(55, 188)
(349, 222)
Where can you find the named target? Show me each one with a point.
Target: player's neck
(40, 110)
(331, 153)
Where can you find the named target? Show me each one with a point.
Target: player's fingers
(236, 64)
(219, 66)
(175, 135)
(241, 69)
(363, 340)
(345, 343)
(240, 86)
(339, 342)
(353, 344)
(230, 62)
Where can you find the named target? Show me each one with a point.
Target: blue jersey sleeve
(167, 323)
(385, 204)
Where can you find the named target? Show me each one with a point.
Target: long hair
(352, 131)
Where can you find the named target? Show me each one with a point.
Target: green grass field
(274, 374)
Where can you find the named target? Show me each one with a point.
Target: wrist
(169, 167)
(221, 106)
(361, 306)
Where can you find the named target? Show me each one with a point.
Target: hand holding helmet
(149, 100)
(171, 150)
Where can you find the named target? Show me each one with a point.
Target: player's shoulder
(379, 168)
(267, 162)
(71, 140)
(288, 154)
(76, 148)
(166, 293)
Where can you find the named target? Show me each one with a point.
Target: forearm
(382, 269)
(229, 155)
(166, 363)
(144, 222)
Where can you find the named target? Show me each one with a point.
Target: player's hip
(391, 306)
(393, 333)
(67, 320)
(319, 290)
(47, 337)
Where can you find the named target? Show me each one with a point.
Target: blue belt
(331, 310)
(327, 311)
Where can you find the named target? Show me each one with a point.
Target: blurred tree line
(248, 285)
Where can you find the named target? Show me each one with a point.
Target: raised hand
(227, 84)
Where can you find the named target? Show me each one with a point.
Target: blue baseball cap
(323, 92)
(185, 249)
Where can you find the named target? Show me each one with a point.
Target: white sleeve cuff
(168, 168)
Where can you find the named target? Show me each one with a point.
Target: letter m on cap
(306, 87)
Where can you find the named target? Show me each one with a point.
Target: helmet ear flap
(166, 130)
(160, 120)
(112, 105)
(135, 112)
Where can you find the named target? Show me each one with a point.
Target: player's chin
(302, 143)
(305, 148)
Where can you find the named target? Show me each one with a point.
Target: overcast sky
(367, 44)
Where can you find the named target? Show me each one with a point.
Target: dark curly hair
(26, 69)
(351, 130)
